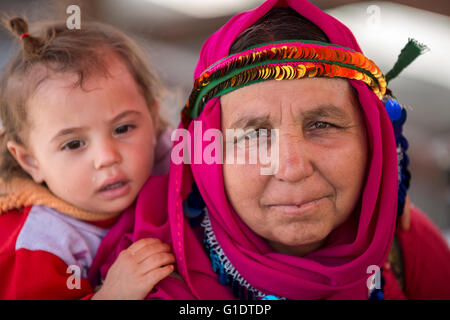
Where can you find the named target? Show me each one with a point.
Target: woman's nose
(106, 155)
(294, 160)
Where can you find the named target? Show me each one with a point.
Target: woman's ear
(26, 160)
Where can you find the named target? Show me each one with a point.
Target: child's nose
(107, 155)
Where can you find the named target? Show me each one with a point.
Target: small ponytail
(32, 46)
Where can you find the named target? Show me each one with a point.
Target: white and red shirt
(45, 254)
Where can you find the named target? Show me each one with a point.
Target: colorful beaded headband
(281, 61)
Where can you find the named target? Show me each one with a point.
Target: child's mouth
(115, 190)
(113, 186)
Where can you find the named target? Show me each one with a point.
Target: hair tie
(23, 35)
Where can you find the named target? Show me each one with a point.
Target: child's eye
(73, 145)
(124, 129)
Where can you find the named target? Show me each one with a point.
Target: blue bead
(195, 188)
(403, 179)
(376, 294)
(401, 120)
(407, 174)
(380, 295)
(406, 182)
(270, 297)
(190, 212)
(404, 143)
(195, 201)
(393, 109)
(403, 188)
(405, 159)
(215, 262)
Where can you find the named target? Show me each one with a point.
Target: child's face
(83, 140)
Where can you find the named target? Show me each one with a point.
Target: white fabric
(73, 241)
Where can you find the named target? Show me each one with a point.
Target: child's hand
(137, 270)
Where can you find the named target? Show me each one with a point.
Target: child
(80, 120)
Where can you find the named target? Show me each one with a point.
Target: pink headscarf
(336, 271)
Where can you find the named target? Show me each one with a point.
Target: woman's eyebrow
(251, 121)
(327, 110)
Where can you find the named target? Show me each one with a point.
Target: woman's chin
(299, 245)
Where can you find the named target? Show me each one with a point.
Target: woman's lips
(116, 192)
(298, 208)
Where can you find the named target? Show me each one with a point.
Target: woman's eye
(73, 145)
(123, 129)
(260, 133)
(322, 125)
(255, 133)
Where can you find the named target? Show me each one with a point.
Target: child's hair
(53, 48)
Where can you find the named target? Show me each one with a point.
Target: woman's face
(321, 163)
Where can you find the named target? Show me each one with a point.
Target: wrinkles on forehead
(258, 105)
(328, 111)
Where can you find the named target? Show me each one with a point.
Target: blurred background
(172, 32)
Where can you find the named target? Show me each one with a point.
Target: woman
(325, 219)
